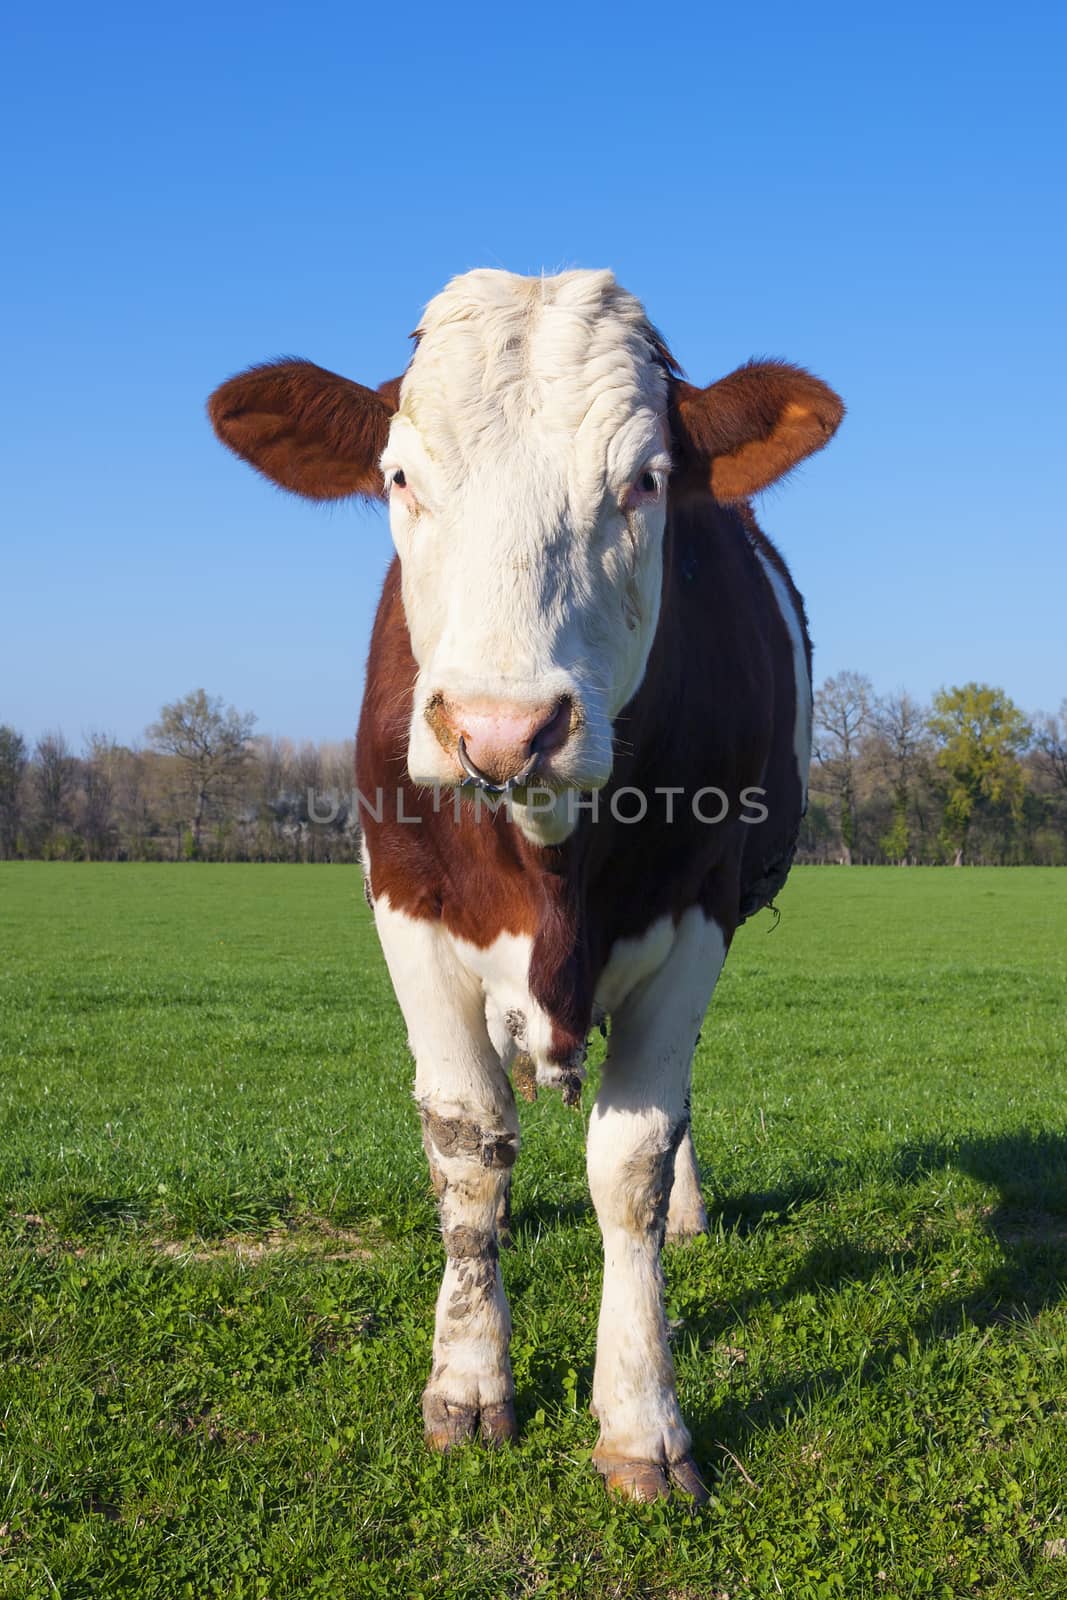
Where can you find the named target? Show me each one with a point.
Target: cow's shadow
(1029, 1221)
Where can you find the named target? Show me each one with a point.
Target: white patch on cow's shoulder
(802, 726)
(466, 1004)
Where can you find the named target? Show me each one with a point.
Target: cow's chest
(517, 1022)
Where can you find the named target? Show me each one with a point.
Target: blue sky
(878, 193)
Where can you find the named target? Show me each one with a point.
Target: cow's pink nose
(501, 739)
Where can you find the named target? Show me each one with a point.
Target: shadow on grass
(1029, 1221)
(541, 1215)
(1029, 1170)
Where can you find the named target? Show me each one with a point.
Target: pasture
(220, 1258)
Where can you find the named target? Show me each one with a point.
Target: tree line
(203, 786)
(968, 778)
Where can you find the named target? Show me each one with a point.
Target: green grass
(220, 1259)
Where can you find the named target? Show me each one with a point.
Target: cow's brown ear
(744, 432)
(307, 429)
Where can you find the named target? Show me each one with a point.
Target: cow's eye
(645, 490)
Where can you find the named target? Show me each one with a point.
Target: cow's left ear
(744, 432)
(307, 429)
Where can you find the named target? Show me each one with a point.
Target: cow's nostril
(555, 732)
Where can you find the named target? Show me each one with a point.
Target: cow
(582, 761)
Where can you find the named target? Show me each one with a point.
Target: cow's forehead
(508, 365)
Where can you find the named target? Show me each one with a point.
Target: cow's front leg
(470, 1132)
(639, 1120)
(471, 1145)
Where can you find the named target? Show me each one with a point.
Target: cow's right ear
(748, 430)
(307, 429)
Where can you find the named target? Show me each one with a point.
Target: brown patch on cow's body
(476, 875)
(717, 707)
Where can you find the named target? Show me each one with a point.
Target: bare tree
(1050, 746)
(273, 798)
(54, 773)
(900, 724)
(272, 763)
(842, 714)
(13, 759)
(100, 759)
(339, 764)
(339, 839)
(307, 768)
(210, 744)
(135, 800)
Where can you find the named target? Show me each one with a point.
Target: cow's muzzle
(501, 745)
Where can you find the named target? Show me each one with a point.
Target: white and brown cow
(583, 618)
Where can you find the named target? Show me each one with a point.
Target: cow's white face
(527, 474)
(524, 457)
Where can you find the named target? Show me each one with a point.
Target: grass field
(220, 1259)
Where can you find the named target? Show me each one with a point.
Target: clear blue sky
(876, 192)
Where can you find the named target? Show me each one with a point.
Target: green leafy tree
(896, 841)
(210, 745)
(980, 734)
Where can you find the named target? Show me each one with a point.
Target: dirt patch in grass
(305, 1236)
(36, 1233)
(301, 1236)
(209, 1426)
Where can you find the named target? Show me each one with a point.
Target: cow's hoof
(683, 1232)
(498, 1423)
(447, 1424)
(646, 1481)
(686, 1218)
(685, 1477)
(634, 1480)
